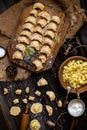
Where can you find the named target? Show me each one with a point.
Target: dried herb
(29, 51)
(57, 38)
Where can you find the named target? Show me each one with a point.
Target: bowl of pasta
(73, 72)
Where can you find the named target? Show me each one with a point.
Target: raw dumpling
(38, 65)
(50, 34)
(43, 58)
(31, 19)
(42, 22)
(51, 95)
(49, 110)
(21, 47)
(17, 55)
(35, 125)
(38, 93)
(36, 108)
(46, 50)
(34, 12)
(36, 36)
(56, 19)
(39, 30)
(23, 39)
(38, 6)
(48, 41)
(28, 26)
(44, 15)
(42, 82)
(35, 44)
(52, 26)
(26, 33)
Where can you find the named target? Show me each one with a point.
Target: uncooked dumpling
(45, 50)
(42, 22)
(17, 55)
(45, 15)
(31, 19)
(34, 12)
(56, 19)
(26, 33)
(48, 41)
(39, 30)
(36, 36)
(21, 47)
(38, 6)
(52, 26)
(36, 108)
(50, 34)
(23, 39)
(38, 65)
(28, 26)
(43, 58)
(35, 44)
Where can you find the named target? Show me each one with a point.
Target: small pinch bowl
(83, 88)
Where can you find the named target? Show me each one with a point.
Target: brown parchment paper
(8, 22)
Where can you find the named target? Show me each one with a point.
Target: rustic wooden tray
(61, 31)
(65, 84)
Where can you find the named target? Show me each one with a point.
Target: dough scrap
(42, 82)
(15, 110)
(49, 110)
(51, 95)
(36, 108)
(35, 125)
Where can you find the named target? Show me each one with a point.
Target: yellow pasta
(75, 73)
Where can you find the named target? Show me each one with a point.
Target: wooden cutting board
(61, 32)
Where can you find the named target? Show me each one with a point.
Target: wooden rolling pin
(25, 119)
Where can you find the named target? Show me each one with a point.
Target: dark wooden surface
(52, 77)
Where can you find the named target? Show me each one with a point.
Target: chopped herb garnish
(57, 38)
(29, 51)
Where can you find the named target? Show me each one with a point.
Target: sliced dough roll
(36, 108)
(35, 125)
